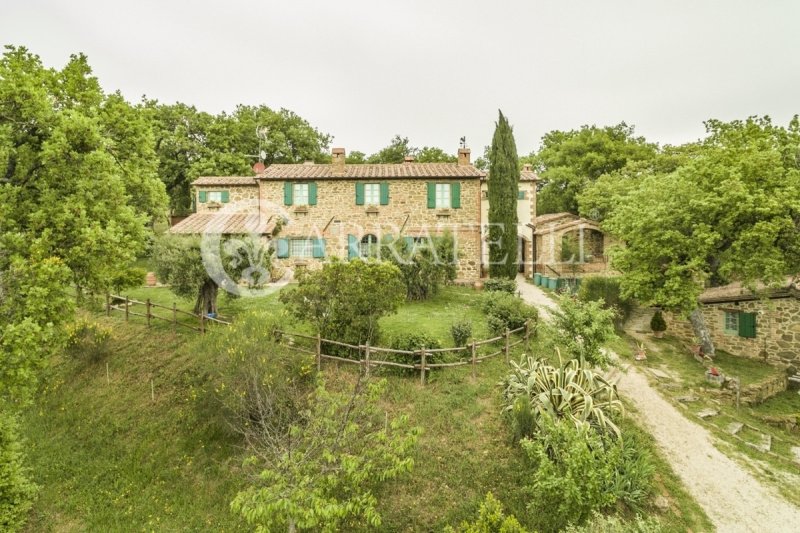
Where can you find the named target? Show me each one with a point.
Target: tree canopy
(568, 161)
(731, 212)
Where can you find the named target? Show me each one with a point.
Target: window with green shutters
(372, 193)
(299, 193)
(300, 248)
(444, 195)
(219, 197)
(731, 322)
(520, 195)
(747, 325)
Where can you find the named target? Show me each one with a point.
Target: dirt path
(732, 498)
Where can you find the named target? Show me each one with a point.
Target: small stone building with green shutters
(312, 212)
(766, 323)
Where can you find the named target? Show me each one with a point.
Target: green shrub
(506, 311)
(576, 472)
(491, 519)
(501, 284)
(607, 289)
(345, 300)
(425, 265)
(537, 392)
(413, 341)
(583, 328)
(253, 376)
(461, 332)
(17, 492)
(86, 338)
(657, 323)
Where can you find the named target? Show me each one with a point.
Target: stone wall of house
(242, 198)
(777, 328)
(336, 215)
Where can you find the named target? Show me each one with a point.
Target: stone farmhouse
(317, 211)
(763, 324)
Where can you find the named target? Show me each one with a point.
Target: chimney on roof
(526, 167)
(408, 159)
(337, 160)
(463, 157)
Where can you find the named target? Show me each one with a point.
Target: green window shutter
(359, 193)
(747, 325)
(352, 247)
(226, 197)
(312, 193)
(431, 195)
(288, 192)
(455, 195)
(409, 243)
(319, 247)
(283, 248)
(202, 195)
(384, 193)
(520, 195)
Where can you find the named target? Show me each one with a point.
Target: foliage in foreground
(322, 475)
(345, 299)
(576, 471)
(583, 328)
(491, 519)
(501, 284)
(17, 492)
(599, 523)
(536, 393)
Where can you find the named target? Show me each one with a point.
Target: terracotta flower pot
(478, 285)
(150, 279)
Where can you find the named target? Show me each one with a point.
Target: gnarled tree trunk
(701, 331)
(206, 298)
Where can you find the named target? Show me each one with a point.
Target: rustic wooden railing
(366, 353)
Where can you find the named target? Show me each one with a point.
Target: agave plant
(571, 391)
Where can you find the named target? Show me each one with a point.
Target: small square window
(215, 196)
(443, 196)
(300, 194)
(372, 193)
(301, 248)
(731, 325)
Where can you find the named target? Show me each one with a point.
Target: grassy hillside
(114, 454)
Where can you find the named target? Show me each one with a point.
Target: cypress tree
(503, 190)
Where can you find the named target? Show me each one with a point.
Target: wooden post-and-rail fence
(124, 303)
(368, 356)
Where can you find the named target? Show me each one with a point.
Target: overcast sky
(438, 69)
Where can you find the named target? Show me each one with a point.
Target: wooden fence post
(202, 323)
(508, 340)
(108, 304)
(474, 362)
(422, 370)
(319, 352)
(527, 334)
(148, 312)
(127, 306)
(366, 356)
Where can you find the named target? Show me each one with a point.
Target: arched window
(368, 247)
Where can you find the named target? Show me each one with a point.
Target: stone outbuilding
(763, 324)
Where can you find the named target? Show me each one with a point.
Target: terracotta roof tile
(737, 291)
(399, 170)
(225, 180)
(528, 175)
(223, 223)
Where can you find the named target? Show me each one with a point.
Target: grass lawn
(687, 382)
(114, 454)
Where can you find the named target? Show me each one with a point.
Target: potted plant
(658, 324)
(641, 352)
